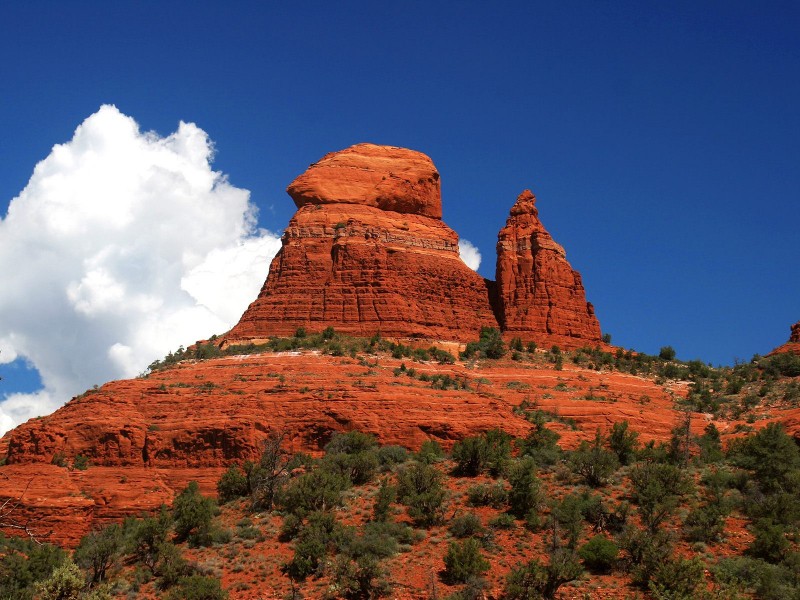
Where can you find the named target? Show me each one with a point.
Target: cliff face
(367, 253)
(540, 296)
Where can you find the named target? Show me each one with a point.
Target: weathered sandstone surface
(367, 253)
(540, 296)
(385, 177)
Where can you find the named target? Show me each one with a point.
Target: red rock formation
(384, 177)
(354, 257)
(539, 295)
(793, 345)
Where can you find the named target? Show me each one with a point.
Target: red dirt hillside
(145, 438)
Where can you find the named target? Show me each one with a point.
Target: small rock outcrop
(540, 296)
(793, 345)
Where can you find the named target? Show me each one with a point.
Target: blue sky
(661, 139)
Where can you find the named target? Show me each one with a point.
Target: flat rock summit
(367, 253)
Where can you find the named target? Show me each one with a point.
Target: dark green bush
(593, 462)
(657, 489)
(192, 513)
(525, 494)
(382, 509)
(534, 580)
(464, 561)
(232, 484)
(198, 587)
(770, 454)
(494, 495)
(430, 452)
(99, 552)
(770, 543)
(623, 442)
(599, 554)
(465, 525)
(419, 487)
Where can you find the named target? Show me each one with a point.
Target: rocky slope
(145, 438)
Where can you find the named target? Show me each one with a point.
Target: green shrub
(534, 580)
(318, 490)
(465, 525)
(419, 487)
(361, 577)
(81, 462)
(192, 513)
(657, 489)
(623, 442)
(679, 578)
(98, 552)
(198, 587)
(464, 561)
(392, 455)
(23, 562)
(494, 495)
(770, 453)
(430, 452)
(599, 554)
(769, 543)
(65, 583)
(593, 462)
(666, 353)
(233, 484)
(525, 494)
(541, 442)
(382, 509)
(502, 521)
(490, 345)
(469, 455)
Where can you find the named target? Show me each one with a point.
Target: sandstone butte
(367, 252)
(793, 345)
(367, 268)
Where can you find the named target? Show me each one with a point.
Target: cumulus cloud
(469, 254)
(122, 246)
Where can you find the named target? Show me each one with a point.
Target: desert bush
(540, 443)
(534, 580)
(192, 514)
(392, 455)
(197, 587)
(430, 452)
(494, 495)
(382, 508)
(490, 345)
(599, 554)
(593, 462)
(99, 552)
(464, 561)
(770, 454)
(318, 490)
(419, 487)
(358, 578)
(623, 442)
(657, 489)
(23, 563)
(525, 494)
(232, 484)
(465, 525)
(769, 543)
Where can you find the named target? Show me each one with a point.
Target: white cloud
(469, 254)
(123, 246)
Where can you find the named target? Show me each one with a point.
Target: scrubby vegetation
(641, 512)
(507, 517)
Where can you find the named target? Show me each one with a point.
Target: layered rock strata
(540, 296)
(367, 253)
